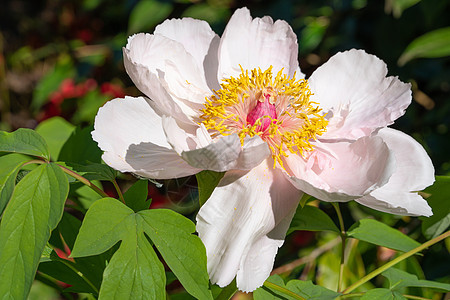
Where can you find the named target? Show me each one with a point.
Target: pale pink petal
(257, 43)
(244, 222)
(353, 89)
(163, 70)
(342, 171)
(131, 134)
(414, 169)
(221, 154)
(414, 172)
(198, 40)
(397, 202)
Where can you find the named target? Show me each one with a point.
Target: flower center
(277, 109)
(264, 111)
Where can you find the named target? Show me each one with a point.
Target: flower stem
(283, 290)
(84, 181)
(119, 192)
(395, 261)
(343, 238)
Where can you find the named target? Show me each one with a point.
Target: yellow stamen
(225, 112)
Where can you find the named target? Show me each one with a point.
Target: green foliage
(109, 221)
(207, 182)
(275, 288)
(378, 233)
(80, 148)
(440, 220)
(147, 14)
(25, 141)
(94, 171)
(382, 294)
(399, 279)
(55, 132)
(432, 44)
(9, 168)
(136, 196)
(313, 219)
(37, 203)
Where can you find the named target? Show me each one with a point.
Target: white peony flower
(239, 104)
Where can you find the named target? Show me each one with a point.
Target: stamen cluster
(276, 109)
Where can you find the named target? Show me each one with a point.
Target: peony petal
(244, 222)
(257, 43)
(342, 171)
(131, 134)
(414, 171)
(198, 40)
(222, 154)
(396, 202)
(353, 88)
(151, 161)
(163, 70)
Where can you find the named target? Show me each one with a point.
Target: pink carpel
(263, 110)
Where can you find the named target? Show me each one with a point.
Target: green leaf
(207, 182)
(81, 148)
(265, 293)
(109, 221)
(34, 210)
(134, 271)
(55, 132)
(25, 141)
(147, 14)
(136, 196)
(440, 220)
(375, 232)
(305, 289)
(51, 82)
(182, 251)
(313, 219)
(310, 291)
(433, 44)
(382, 294)
(93, 171)
(399, 279)
(10, 165)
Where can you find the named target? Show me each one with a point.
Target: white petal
(257, 43)
(353, 88)
(243, 224)
(342, 171)
(222, 154)
(131, 134)
(414, 171)
(163, 70)
(199, 40)
(396, 202)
